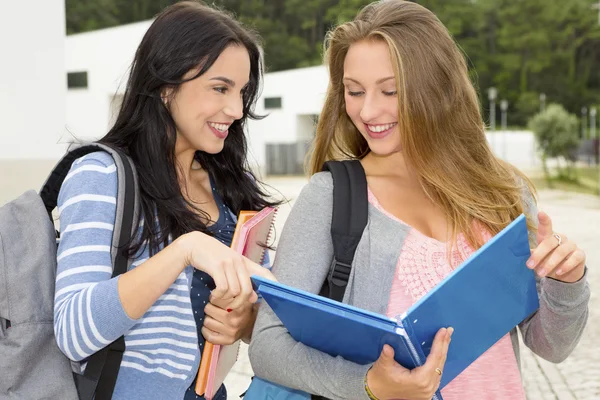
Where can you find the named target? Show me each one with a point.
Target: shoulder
(318, 190)
(94, 174)
(95, 158)
(321, 180)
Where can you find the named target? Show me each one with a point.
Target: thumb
(255, 269)
(544, 227)
(387, 355)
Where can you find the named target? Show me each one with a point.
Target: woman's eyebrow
(224, 79)
(378, 81)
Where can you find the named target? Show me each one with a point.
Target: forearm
(141, 287)
(277, 357)
(555, 329)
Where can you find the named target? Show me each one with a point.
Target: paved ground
(578, 216)
(578, 377)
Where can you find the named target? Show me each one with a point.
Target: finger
(544, 230)
(218, 327)
(215, 312)
(387, 353)
(255, 269)
(573, 261)
(556, 258)
(232, 279)
(221, 303)
(214, 337)
(438, 350)
(253, 297)
(542, 251)
(446, 349)
(245, 284)
(386, 357)
(221, 285)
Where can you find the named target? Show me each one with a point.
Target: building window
(77, 80)
(272, 103)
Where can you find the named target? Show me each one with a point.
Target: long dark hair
(184, 36)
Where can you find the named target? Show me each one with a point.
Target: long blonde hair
(442, 132)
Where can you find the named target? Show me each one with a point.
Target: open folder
(483, 299)
(250, 238)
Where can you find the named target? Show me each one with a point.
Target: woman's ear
(165, 95)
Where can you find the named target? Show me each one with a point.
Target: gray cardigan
(302, 260)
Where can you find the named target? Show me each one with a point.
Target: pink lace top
(422, 264)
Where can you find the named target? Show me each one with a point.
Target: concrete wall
(33, 80)
(516, 147)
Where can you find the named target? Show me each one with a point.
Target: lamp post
(503, 109)
(594, 141)
(593, 133)
(592, 123)
(583, 122)
(492, 93)
(542, 101)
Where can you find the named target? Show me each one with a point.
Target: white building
(40, 117)
(292, 101)
(33, 83)
(98, 62)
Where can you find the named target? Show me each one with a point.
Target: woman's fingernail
(559, 272)
(542, 273)
(530, 263)
(229, 310)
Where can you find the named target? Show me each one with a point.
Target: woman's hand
(230, 270)
(556, 256)
(226, 325)
(389, 380)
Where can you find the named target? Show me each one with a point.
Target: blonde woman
(401, 102)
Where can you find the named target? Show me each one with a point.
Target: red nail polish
(229, 310)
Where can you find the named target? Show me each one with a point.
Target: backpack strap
(348, 221)
(100, 376)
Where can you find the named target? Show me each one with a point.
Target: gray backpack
(31, 365)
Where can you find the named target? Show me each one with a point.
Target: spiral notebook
(483, 299)
(250, 238)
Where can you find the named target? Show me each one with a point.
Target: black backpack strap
(102, 368)
(348, 221)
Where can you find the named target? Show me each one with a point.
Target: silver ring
(558, 238)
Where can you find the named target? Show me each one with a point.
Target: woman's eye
(354, 94)
(221, 89)
(391, 93)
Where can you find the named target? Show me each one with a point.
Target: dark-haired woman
(192, 86)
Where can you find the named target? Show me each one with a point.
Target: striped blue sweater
(162, 355)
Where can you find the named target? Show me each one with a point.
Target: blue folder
(483, 299)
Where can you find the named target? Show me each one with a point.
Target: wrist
(184, 244)
(372, 387)
(247, 334)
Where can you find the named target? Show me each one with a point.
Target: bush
(557, 135)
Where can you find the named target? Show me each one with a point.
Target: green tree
(521, 47)
(556, 133)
